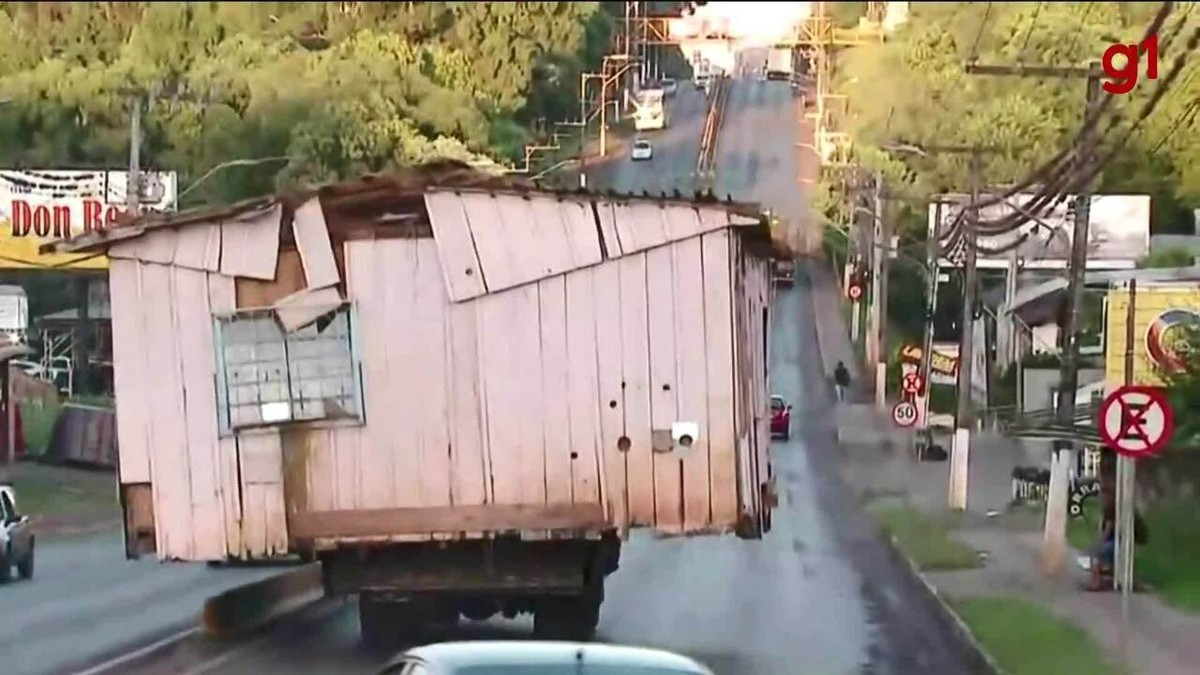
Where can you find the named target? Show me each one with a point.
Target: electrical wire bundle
(1074, 167)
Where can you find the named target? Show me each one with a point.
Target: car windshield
(777, 404)
(642, 145)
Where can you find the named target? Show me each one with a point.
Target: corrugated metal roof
(377, 193)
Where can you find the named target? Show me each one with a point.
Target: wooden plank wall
(546, 393)
(550, 392)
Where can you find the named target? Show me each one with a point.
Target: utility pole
(931, 287)
(960, 451)
(877, 330)
(1054, 539)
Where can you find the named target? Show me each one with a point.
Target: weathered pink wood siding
(558, 390)
(548, 377)
(166, 412)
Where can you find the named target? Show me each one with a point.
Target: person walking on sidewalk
(841, 381)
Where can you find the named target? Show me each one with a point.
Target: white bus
(651, 112)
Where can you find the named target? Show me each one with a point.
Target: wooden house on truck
(397, 373)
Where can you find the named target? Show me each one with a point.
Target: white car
(16, 537)
(513, 657)
(669, 86)
(642, 150)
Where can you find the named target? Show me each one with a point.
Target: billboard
(1118, 232)
(37, 206)
(1161, 321)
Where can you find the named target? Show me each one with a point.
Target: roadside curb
(954, 623)
(50, 530)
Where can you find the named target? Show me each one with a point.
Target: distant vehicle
(14, 314)
(651, 111)
(784, 272)
(16, 537)
(779, 64)
(781, 418)
(669, 86)
(642, 150)
(511, 657)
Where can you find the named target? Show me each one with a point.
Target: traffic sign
(854, 292)
(904, 414)
(912, 383)
(1136, 421)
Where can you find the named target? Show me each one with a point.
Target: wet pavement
(819, 594)
(86, 601)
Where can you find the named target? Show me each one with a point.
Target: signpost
(1136, 421)
(912, 384)
(904, 414)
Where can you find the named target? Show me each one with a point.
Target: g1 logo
(1121, 64)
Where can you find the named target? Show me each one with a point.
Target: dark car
(781, 418)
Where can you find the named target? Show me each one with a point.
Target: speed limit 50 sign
(904, 414)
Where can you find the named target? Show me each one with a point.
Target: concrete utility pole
(960, 451)
(964, 416)
(877, 335)
(1054, 539)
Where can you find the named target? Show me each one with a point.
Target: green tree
(338, 88)
(1169, 257)
(914, 87)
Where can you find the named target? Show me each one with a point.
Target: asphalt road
(819, 594)
(86, 601)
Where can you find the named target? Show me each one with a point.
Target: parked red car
(781, 418)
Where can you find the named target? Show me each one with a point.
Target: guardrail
(710, 135)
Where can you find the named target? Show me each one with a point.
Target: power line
(1032, 25)
(1079, 30)
(982, 25)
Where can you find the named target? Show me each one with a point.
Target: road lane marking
(139, 653)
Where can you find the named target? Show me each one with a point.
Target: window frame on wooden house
(267, 377)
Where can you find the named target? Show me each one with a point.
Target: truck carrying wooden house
(396, 374)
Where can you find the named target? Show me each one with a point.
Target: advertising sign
(38, 206)
(1165, 322)
(1118, 233)
(943, 369)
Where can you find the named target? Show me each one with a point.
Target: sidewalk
(877, 463)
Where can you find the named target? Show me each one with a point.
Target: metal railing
(710, 135)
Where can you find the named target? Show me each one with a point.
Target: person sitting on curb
(841, 381)
(1104, 553)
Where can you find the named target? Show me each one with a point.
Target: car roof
(532, 652)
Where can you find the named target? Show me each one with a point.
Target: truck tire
(573, 618)
(383, 623)
(5, 566)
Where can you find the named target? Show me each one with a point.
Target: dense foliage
(334, 88)
(914, 87)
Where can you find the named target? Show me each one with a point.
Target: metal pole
(1054, 541)
(963, 422)
(134, 181)
(931, 266)
(604, 108)
(1126, 485)
(10, 412)
(881, 301)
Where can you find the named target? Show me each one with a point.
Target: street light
(225, 165)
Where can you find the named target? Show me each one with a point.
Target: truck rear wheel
(384, 622)
(569, 618)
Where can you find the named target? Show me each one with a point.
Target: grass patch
(63, 496)
(927, 539)
(1166, 563)
(1028, 640)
